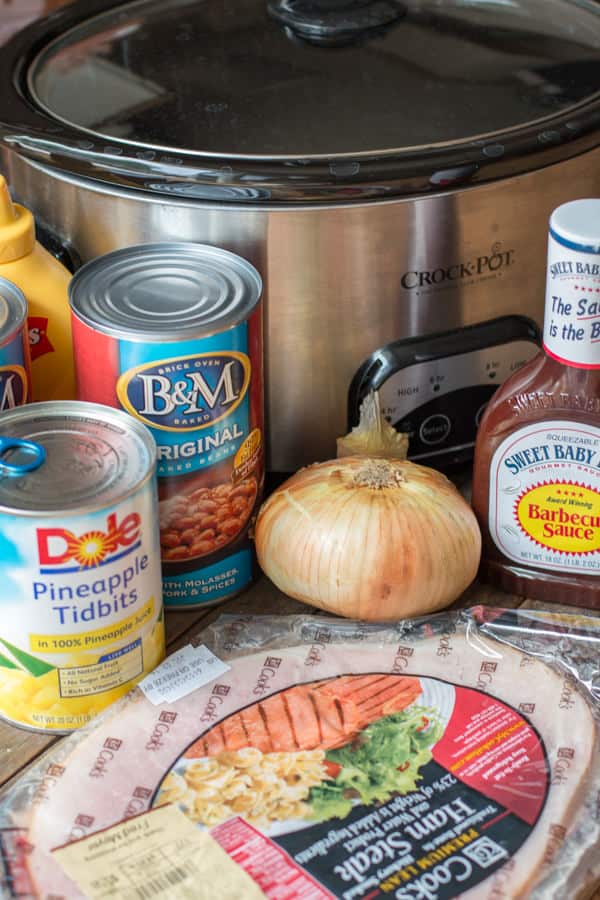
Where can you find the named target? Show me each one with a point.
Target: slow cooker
(389, 166)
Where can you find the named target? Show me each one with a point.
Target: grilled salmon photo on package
(451, 756)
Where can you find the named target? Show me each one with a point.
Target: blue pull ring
(36, 451)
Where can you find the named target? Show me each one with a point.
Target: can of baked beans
(172, 333)
(82, 618)
(15, 377)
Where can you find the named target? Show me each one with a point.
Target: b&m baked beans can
(172, 333)
(82, 618)
(14, 347)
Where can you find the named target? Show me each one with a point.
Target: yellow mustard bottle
(44, 281)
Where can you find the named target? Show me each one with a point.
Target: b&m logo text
(59, 550)
(186, 393)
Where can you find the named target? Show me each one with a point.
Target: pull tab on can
(34, 456)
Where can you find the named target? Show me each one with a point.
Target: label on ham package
(436, 795)
(420, 768)
(180, 674)
(158, 854)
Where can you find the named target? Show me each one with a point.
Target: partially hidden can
(15, 375)
(172, 333)
(80, 582)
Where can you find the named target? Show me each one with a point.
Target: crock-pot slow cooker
(388, 165)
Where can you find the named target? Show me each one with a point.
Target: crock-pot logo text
(59, 550)
(487, 264)
(13, 387)
(186, 393)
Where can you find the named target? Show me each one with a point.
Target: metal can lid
(165, 291)
(13, 310)
(94, 456)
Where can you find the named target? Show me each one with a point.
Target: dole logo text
(57, 546)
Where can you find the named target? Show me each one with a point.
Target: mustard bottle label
(39, 342)
(545, 497)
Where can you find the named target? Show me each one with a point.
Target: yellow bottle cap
(17, 227)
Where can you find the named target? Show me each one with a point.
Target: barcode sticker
(157, 854)
(181, 673)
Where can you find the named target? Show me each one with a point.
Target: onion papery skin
(369, 552)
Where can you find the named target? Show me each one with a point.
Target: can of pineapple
(82, 618)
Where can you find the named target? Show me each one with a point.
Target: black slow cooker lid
(296, 100)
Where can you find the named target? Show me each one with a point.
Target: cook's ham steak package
(451, 756)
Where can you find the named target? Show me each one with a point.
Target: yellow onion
(369, 538)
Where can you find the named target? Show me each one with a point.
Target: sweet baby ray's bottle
(536, 480)
(44, 282)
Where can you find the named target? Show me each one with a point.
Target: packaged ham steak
(303, 758)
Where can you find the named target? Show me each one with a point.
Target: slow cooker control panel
(435, 388)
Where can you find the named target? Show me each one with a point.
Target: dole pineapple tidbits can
(172, 333)
(80, 584)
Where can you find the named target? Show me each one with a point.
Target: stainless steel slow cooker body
(358, 247)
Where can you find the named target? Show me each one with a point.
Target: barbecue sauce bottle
(536, 480)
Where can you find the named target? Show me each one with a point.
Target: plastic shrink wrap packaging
(450, 756)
